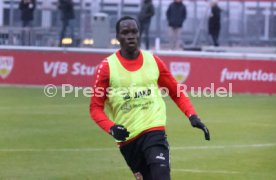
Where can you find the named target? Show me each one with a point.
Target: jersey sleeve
(100, 84)
(168, 81)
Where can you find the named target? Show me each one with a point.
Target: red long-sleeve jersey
(101, 81)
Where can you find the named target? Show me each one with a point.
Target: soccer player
(129, 107)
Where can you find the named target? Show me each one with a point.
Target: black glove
(195, 122)
(119, 132)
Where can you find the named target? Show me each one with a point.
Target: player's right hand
(119, 132)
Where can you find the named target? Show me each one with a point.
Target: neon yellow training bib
(134, 99)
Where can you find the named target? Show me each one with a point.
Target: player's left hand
(195, 122)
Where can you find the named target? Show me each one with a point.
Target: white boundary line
(113, 149)
(206, 171)
(196, 171)
(226, 146)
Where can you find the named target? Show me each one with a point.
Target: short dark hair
(122, 19)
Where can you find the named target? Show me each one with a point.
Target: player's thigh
(158, 154)
(158, 161)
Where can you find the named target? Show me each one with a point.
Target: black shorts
(150, 148)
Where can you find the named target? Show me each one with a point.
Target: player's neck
(129, 55)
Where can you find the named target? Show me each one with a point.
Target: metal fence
(244, 22)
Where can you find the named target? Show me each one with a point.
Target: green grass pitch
(54, 138)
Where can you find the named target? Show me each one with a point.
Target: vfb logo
(6, 65)
(180, 71)
(55, 68)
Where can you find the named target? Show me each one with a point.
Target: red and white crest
(180, 70)
(6, 65)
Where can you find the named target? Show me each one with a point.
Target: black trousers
(215, 37)
(67, 24)
(144, 28)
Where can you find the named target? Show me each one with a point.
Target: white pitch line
(113, 149)
(59, 150)
(206, 171)
(225, 146)
(197, 171)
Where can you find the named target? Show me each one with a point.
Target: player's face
(128, 35)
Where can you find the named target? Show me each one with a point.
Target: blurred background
(243, 23)
(44, 133)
